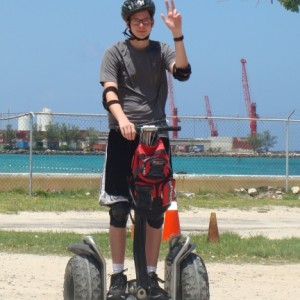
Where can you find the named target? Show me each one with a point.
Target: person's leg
(119, 213)
(153, 241)
(118, 281)
(115, 194)
(117, 239)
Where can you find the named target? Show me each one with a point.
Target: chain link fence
(61, 151)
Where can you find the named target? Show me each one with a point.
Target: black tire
(82, 279)
(194, 278)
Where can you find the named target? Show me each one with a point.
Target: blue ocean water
(89, 164)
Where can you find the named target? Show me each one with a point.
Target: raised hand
(173, 19)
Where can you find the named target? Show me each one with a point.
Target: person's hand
(173, 19)
(127, 129)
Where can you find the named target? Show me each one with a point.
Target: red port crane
(213, 129)
(250, 106)
(174, 111)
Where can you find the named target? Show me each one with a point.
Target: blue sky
(50, 53)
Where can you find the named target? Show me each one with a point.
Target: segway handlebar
(149, 133)
(157, 128)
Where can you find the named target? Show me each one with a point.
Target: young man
(133, 76)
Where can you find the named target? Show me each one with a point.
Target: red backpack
(152, 183)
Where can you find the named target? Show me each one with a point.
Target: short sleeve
(109, 66)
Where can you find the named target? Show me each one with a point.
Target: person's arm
(173, 20)
(111, 98)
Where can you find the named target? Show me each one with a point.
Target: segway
(186, 276)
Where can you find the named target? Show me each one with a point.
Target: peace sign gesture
(173, 18)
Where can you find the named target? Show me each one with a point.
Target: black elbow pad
(182, 74)
(106, 104)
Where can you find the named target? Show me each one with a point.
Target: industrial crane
(250, 106)
(213, 129)
(174, 111)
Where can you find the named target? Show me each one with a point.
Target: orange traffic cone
(213, 232)
(171, 225)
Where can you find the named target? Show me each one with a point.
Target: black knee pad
(156, 221)
(119, 214)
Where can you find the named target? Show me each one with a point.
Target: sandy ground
(41, 277)
(27, 277)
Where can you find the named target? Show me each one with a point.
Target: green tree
(255, 142)
(10, 136)
(262, 141)
(53, 136)
(38, 136)
(292, 5)
(91, 136)
(268, 141)
(69, 133)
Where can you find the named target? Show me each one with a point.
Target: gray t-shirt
(141, 79)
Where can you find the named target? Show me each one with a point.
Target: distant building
(99, 147)
(241, 144)
(2, 139)
(44, 120)
(220, 144)
(22, 139)
(22, 145)
(23, 123)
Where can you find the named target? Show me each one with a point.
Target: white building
(44, 119)
(23, 123)
(221, 144)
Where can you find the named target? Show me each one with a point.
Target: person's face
(140, 24)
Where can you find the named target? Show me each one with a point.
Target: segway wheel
(82, 279)
(194, 278)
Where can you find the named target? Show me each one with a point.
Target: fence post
(30, 152)
(287, 153)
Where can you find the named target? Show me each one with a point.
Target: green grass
(256, 249)
(231, 249)
(235, 200)
(17, 200)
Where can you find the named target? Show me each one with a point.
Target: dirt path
(273, 221)
(28, 277)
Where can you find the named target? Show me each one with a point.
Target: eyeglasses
(137, 22)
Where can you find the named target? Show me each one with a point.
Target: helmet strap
(128, 33)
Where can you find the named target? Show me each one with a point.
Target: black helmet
(130, 7)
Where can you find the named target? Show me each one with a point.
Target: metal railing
(56, 151)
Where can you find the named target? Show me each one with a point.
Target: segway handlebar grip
(155, 127)
(169, 128)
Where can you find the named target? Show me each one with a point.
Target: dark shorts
(119, 155)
